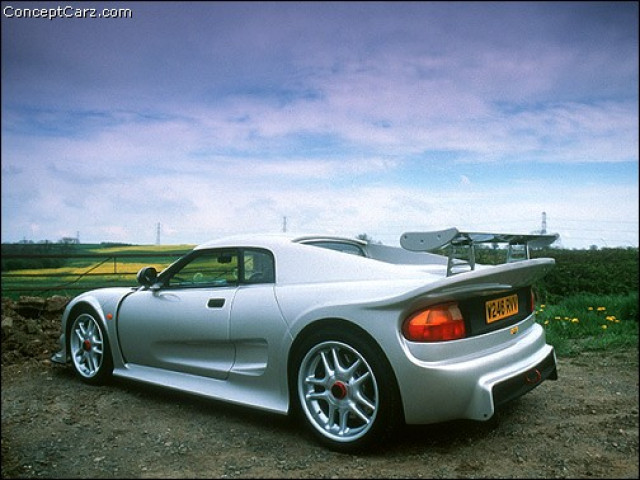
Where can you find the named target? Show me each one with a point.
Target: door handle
(215, 303)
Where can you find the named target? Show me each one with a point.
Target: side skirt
(237, 389)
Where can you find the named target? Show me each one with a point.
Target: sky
(197, 120)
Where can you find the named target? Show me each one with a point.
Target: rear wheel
(345, 391)
(89, 348)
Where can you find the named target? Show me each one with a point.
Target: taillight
(437, 323)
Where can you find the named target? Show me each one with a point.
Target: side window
(214, 268)
(258, 266)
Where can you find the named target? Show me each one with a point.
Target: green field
(589, 301)
(111, 266)
(589, 322)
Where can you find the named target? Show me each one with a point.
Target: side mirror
(147, 276)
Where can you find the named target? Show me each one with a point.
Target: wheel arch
(336, 325)
(89, 305)
(86, 305)
(97, 365)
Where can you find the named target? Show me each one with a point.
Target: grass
(110, 267)
(573, 321)
(587, 322)
(81, 274)
(141, 249)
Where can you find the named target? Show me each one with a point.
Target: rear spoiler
(463, 243)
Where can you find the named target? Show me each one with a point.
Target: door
(182, 324)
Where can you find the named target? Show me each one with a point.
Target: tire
(345, 391)
(89, 348)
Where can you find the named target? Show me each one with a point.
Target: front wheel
(89, 349)
(346, 391)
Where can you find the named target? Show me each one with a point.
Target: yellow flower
(575, 320)
(557, 318)
(546, 322)
(604, 327)
(602, 309)
(590, 308)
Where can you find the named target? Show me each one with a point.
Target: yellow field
(121, 266)
(107, 267)
(142, 248)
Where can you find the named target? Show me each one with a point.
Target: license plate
(501, 308)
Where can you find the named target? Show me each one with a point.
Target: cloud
(225, 117)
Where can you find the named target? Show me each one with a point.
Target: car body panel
(183, 330)
(233, 343)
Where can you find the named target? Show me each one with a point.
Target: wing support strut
(462, 253)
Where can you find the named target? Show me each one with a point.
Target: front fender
(103, 301)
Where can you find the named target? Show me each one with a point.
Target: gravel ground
(583, 425)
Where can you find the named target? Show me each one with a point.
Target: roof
(300, 263)
(274, 239)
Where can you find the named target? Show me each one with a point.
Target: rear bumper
(518, 385)
(470, 383)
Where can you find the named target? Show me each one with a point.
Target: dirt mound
(31, 328)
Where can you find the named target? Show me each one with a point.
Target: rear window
(340, 247)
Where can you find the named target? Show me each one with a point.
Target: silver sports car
(354, 337)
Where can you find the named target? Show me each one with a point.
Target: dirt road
(585, 425)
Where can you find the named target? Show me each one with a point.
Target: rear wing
(462, 255)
